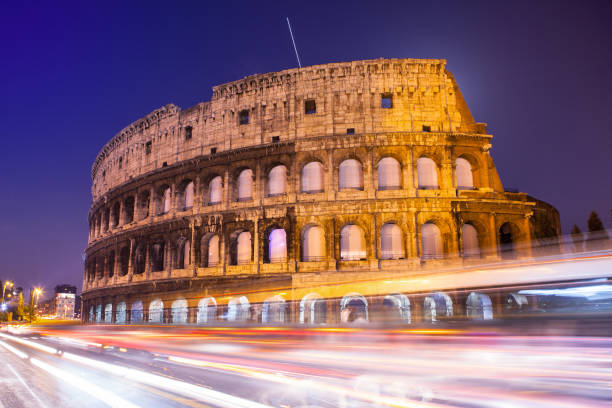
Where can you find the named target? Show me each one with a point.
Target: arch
(121, 314)
(245, 185)
(313, 244)
(436, 305)
(207, 310)
(98, 313)
(243, 248)
(183, 254)
(313, 309)
(108, 313)
(163, 200)
(274, 310)
(136, 315)
(516, 301)
(312, 178)
(156, 311)
(111, 264)
(215, 190)
(209, 250)
(427, 173)
(350, 175)
(463, 174)
(469, 237)
(238, 309)
(507, 238)
(353, 308)
(431, 241)
(139, 260)
(128, 210)
(389, 174)
(277, 246)
(391, 242)
(180, 311)
(478, 307)
(277, 181)
(91, 314)
(397, 307)
(144, 203)
(115, 214)
(124, 260)
(352, 243)
(187, 195)
(158, 252)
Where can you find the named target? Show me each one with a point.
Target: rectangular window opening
(188, 132)
(350, 131)
(148, 147)
(243, 117)
(310, 106)
(275, 139)
(426, 128)
(213, 150)
(386, 101)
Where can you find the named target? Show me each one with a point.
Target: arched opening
(478, 307)
(313, 309)
(427, 173)
(352, 243)
(91, 314)
(157, 256)
(274, 310)
(238, 309)
(391, 242)
(209, 250)
(350, 175)
(98, 313)
(245, 185)
(139, 260)
(128, 210)
(115, 214)
(215, 190)
(144, 201)
(437, 305)
(431, 240)
(163, 200)
(179, 311)
(207, 310)
(183, 254)
(185, 195)
(463, 174)
(136, 312)
(240, 248)
(120, 317)
(353, 309)
(389, 174)
(506, 241)
(312, 178)
(396, 307)
(516, 302)
(108, 313)
(110, 261)
(277, 181)
(124, 260)
(277, 246)
(156, 311)
(313, 244)
(469, 236)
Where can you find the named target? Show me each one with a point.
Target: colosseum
(235, 208)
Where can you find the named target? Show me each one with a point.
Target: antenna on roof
(293, 40)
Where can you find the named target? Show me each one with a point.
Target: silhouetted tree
(597, 236)
(21, 307)
(578, 238)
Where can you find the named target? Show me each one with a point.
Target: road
(556, 364)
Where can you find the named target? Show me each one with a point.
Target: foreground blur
(560, 362)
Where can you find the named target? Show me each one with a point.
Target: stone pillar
(226, 189)
(527, 241)
(492, 251)
(130, 262)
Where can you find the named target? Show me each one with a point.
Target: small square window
(148, 147)
(243, 117)
(188, 132)
(165, 164)
(213, 150)
(426, 128)
(275, 139)
(386, 101)
(350, 131)
(310, 106)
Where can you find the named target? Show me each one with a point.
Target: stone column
(130, 262)
(492, 251)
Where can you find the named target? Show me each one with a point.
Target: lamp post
(7, 283)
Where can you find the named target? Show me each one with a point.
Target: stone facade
(154, 211)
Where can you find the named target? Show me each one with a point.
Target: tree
(597, 236)
(578, 238)
(21, 310)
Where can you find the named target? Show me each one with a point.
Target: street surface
(565, 363)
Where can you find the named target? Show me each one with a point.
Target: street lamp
(7, 283)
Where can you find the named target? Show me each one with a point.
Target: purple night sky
(75, 74)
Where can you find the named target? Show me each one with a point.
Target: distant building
(64, 301)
